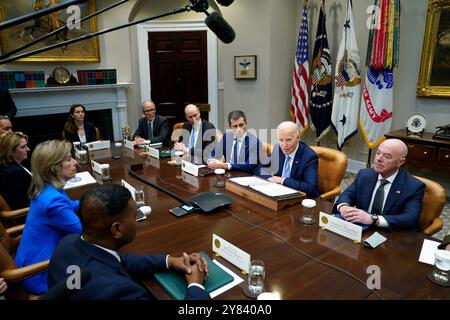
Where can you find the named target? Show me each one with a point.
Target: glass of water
(139, 196)
(256, 275)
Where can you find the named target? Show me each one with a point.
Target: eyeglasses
(152, 110)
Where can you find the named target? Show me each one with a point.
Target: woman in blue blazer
(52, 213)
(14, 178)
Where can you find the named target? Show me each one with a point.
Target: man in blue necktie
(240, 148)
(385, 195)
(293, 163)
(199, 134)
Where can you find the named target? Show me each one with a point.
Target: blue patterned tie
(286, 168)
(235, 151)
(192, 139)
(377, 204)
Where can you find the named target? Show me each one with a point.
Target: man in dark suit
(7, 105)
(5, 124)
(240, 148)
(385, 195)
(292, 162)
(108, 218)
(198, 135)
(152, 126)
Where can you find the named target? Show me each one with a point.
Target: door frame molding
(144, 58)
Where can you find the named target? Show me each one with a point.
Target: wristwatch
(374, 219)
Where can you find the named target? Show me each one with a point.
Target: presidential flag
(321, 76)
(347, 91)
(300, 79)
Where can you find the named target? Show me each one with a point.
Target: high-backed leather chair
(268, 148)
(9, 241)
(10, 217)
(176, 132)
(433, 202)
(331, 171)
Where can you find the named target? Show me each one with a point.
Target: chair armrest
(331, 194)
(19, 274)
(434, 227)
(15, 230)
(14, 213)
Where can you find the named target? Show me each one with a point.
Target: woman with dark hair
(14, 178)
(77, 128)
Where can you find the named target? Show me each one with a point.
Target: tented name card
(152, 152)
(97, 167)
(98, 145)
(130, 188)
(190, 168)
(341, 227)
(129, 144)
(231, 253)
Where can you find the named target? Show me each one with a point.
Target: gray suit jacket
(160, 130)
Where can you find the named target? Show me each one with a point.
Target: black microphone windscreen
(225, 3)
(220, 27)
(61, 292)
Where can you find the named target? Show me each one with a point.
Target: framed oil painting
(434, 75)
(18, 35)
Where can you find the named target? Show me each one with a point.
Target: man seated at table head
(292, 162)
(239, 147)
(5, 124)
(385, 195)
(108, 218)
(198, 135)
(152, 126)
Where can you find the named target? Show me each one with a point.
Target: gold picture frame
(245, 67)
(434, 79)
(16, 36)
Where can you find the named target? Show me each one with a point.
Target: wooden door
(178, 71)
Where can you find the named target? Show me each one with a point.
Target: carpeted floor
(445, 215)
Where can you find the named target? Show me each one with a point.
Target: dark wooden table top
(302, 262)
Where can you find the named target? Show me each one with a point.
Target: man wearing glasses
(152, 126)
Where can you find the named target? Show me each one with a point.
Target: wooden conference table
(292, 274)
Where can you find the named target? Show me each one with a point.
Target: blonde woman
(15, 179)
(52, 213)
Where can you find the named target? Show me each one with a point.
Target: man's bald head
(390, 156)
(192, 114)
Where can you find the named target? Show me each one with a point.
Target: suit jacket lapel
(295, 161)
(395, 191)
(366, 191)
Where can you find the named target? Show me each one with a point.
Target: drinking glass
(256, 275)
(139, 196)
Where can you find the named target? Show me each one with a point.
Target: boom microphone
(61, 292)
(220, 27)
(225, 3)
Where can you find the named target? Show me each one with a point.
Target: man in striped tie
(240, 148)
(385, 195)
(293, 163)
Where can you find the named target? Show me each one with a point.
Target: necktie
(235, 151)
(192, 139)
(286, 168)
(150, 130)
(377, 205)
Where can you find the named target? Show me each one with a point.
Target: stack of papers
(268, 188)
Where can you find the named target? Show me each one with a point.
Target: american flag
(300, 81)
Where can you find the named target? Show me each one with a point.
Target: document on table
(81, 179)
(266, 187)
(429, 248)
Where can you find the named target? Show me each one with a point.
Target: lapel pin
(397, 192)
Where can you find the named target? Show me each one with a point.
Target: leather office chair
(433, 202)
(268, 148)
(331, 171)
(98, 136)
(176, 132)
(9, 241)
(10, 217)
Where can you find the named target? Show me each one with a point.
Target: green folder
(175, 283)
(165, 153)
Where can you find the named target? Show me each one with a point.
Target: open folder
(175, 283)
